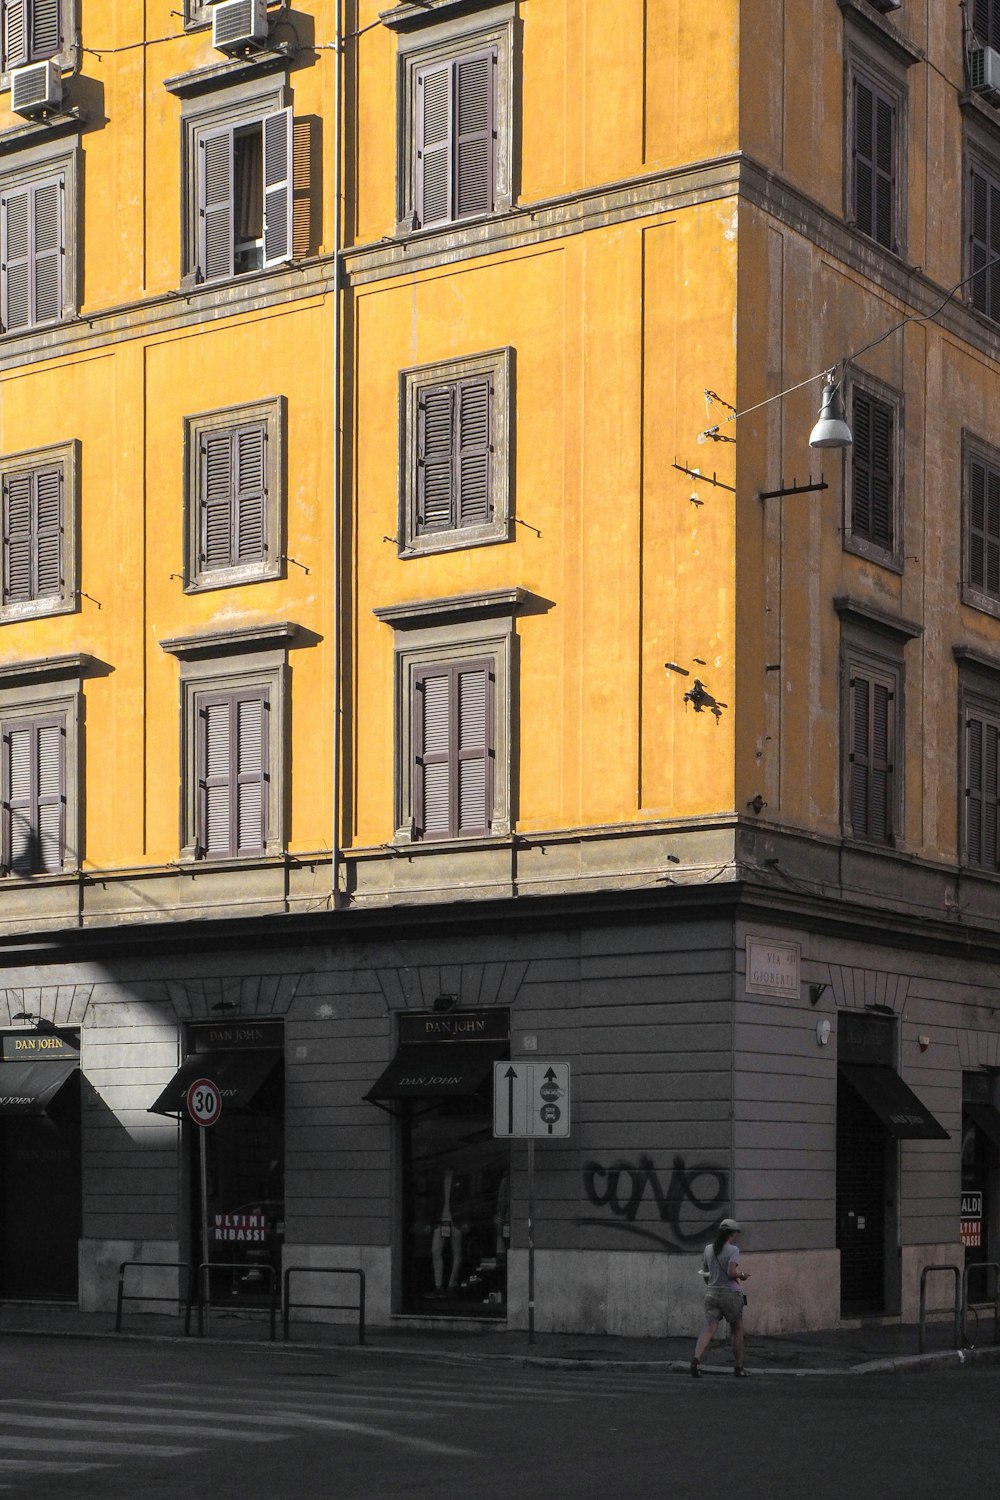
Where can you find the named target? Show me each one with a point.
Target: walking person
(723, 1295)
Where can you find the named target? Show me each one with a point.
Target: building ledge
(859, 612)
(217, 75)
(244, 638)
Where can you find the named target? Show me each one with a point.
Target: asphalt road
(143, 1421)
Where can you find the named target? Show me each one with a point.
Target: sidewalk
(868, 1350)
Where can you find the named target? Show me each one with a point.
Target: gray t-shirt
(718, 1266)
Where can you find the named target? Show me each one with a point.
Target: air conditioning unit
(36, 88)
(239, 23)
(984, 72)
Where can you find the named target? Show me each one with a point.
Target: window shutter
(44, 28)
(974, 791)
(51, 796)
(861, 423)
(215, 792)
(48, 532)
(15, 33)
(250, 497)
(216, 500)
(474, 135)
(215, 204)
(474, 749)
(15, 273)
(433, 188)
(864, 154)
(883, 229)
(977, 524)
(278, 139)
(435, 458)
(882, 477)
(47, 250)
(474, 447)
(17, 537)
(18, 837)
(859, 759)
(250, 773)
(880, 804)
(991, 796)
(986, 22)
(431, 743)
(874, 162)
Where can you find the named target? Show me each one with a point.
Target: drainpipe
(338, 591)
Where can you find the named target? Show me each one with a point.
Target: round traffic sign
(204, 1101)
(550, 1113)
(550, 1092)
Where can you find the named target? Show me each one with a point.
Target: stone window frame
(440, 35)
(869, 55)
(975, 449)
(35, 163)
(68, 456)
(272, 412)
(51, 688)
(233, 103)
(471, 627)
(498, 364)
(887, 557)
(980, 153)
(978, 697)
(223, 662)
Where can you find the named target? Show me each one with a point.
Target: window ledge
(45, 669)
(243, 639)
(975, 656)
(217, 75)
(38, 132)
(409, 16)
(861, 613)
(456, 607)
(870, 19)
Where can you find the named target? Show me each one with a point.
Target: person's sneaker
(696, 1368)
(739, 1372)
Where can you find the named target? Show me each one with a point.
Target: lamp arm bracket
(794, 489)
(705, 478)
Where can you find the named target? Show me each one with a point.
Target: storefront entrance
(245, 1155)
(980, 1162)
(455, 1215)
(40, 1166)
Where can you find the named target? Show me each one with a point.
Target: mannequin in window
(449, 1230)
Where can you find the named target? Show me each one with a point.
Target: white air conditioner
(36, 88)
(984, 72)
(239, 23)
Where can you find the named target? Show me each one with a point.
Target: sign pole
(204, 1106)
(203, 1164)
(531, 1239)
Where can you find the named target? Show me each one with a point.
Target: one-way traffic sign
(530, 1099)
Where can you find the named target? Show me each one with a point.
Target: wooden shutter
(232, 756)
(47, 250)
(48, 579)
(474, 448)
(250, 772)
(880, 809)
(984, 242)
(43, 20)
(453, 751)
(474, 748)
(984, 528)
(986, 22)
(250, 493)
(17, 537)
(15, 253)
(432, 803)
(32, 535)
(34, 796)
(474, 90)
(215, 500)
(277, 153)
(31, 254)
(873, 488)
(874, 162)
(982, 792)
(433, 186)
(215, 204)
(15, 33)
(870, 760)
(214, 784)
(436, 458)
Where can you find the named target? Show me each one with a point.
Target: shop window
(38, 500)
(455, 117)
(455, 469)
(234, 504)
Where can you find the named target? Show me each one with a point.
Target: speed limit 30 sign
(204, 1101)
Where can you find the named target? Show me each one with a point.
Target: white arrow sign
(531, 1099)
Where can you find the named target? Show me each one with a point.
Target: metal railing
(358, 1307)
(201, 1281)
(922, 1324)
(171, 1265)
(967, 1307)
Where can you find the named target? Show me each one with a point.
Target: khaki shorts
(720, 1303)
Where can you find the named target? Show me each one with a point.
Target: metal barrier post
(359, 1307)
(174, 1265)
(982, 1265)
(922, 1325)
(203, 1281)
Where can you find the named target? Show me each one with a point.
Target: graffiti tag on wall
(689, 1207)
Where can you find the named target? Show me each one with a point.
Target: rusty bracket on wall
(705, 478)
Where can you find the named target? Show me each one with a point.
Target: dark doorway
(40, 1160)
(861, 1198)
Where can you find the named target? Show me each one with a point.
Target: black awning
(987, 1117)
(427, 1070)
(240, 1076)
(894, 1102)
(28, 1088)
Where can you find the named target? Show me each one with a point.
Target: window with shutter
(875, 146)
(31, 30)
(32, 253)
(233, 495)
(869, 740)
(982, 789)
(232, 773)
(986, 22)
(984, 240)
(455, 155)
(32, 534)
(34, 795)
(873, 489)
(983, 528)
(453, 750)
(243, 195)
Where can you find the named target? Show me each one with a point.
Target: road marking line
(85, 1445)
(10, 1418)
